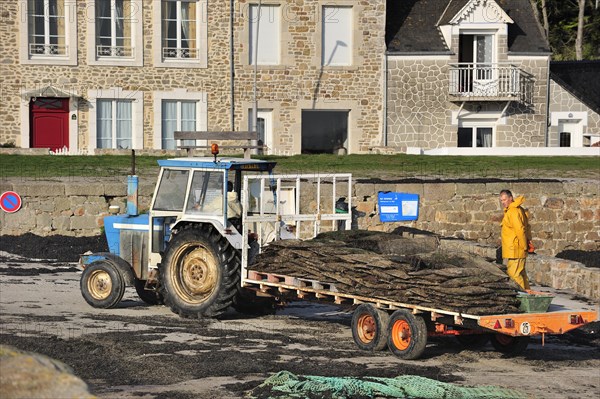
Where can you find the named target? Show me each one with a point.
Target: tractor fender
(121, 264)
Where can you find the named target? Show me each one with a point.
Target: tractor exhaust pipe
(132, 189)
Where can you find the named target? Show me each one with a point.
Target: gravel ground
(141, 351)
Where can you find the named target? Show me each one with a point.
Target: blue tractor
(186, 251)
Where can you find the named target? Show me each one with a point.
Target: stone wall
(564, 215)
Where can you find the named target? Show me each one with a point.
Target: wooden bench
(205, 135)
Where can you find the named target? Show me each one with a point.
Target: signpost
(10, 202)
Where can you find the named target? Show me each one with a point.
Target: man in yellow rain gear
(516, 237)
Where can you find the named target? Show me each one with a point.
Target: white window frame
(474, 126)
(325, 16)
(137, 50)
(269, 13)
(137, 114)
(70, 20)
(178, 95)
(201, 61)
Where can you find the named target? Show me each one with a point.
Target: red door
(49, 123)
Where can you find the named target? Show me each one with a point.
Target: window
(336, 43)
(206, 193)
(114, 122)
(116, 119)
(171, 191)
(49, 32)
(177, 116)
(113, 28)
(180, 36)
(565, 139)
(481, 136)
(179, 29)
(268, 23)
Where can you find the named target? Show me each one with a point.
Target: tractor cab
(200, 190)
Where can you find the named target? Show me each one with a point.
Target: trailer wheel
(148, 296)
(102, 284)
(370, 327)
(407, 335)
(508, 344)
(199, 272)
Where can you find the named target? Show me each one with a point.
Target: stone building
(118, 74)
(574, 104)
(465, 73)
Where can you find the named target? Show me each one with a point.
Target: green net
(287, 385)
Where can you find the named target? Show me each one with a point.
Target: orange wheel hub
(401, 334)
(366, 328)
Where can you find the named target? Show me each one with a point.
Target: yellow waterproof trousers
(516, 271)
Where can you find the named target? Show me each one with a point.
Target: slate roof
(580, 78)
(412, 26)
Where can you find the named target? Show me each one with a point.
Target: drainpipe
(231, 66)
(385, 99)
(547, 127)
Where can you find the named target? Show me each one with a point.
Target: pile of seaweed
(387, 266)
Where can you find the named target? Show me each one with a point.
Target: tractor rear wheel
(199, 272)
(102, 284)
(407, 335)
(370, 327)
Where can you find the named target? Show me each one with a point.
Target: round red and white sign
(10, 202)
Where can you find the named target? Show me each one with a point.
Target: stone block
(42, 190)
(368, 207)
(84, 189)
(364, 190)
(469, 189)
(43, 222)
(23, 220)
(84, 223)
(411, 188)
(115, 189)
(62, 204)
(439, 191)
(550, 188)
(554, 203)
(61, 223)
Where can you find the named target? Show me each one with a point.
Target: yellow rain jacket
(515, 230)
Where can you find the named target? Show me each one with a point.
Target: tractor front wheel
(199, 272)
(102, 284)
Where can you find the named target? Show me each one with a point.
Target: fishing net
(287, 385)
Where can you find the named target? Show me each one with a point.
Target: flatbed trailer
(379, 323)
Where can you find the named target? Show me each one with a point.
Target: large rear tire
(509, 345)
(199, 272)
(370, 327)
(407, 335)
(102, 284)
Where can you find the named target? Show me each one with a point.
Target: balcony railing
(113, 51)
(47, 49)
(488, 82)
(173, 52)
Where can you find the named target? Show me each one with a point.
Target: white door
(570, 133)
(485, 82)
(264, 126)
